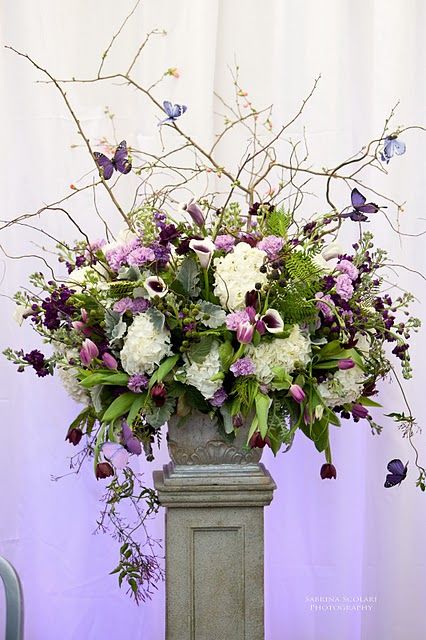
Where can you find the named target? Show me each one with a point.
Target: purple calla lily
(204, 250)
(155, 286)
(273, 321)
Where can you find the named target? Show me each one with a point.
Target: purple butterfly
(173, 111)
(116, 454)
(398, 473)
(392, 145)
(120, 161)
(360, 208)
(130, 441)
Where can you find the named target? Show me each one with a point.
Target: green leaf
(200, 350)
(367, 402)
(228, 425)
(278, 222)
(165, 367)
(189, 275)
(136, 407)
(158, 416)
(263, 402)
(115, 378)
(226, 355)
(119, 407)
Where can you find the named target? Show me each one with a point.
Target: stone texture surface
(214, 549)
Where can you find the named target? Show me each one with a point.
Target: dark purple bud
(252, 299)
(328, 471)
(159, 394)
(74, 436)
(103, 470)
(196, 214)
(257, 442)
(237, 420)
(359, 411)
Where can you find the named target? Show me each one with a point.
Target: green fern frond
(278, 222)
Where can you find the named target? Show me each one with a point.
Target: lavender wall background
(348, 538)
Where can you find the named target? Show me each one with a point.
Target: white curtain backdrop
(348, 538)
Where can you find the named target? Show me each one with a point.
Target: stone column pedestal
(214, 549)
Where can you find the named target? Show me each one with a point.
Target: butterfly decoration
(130, 441)
(398, 473)
(173, 111)
(119, 162)
(391, 146)
(360, 207)
(116, 454)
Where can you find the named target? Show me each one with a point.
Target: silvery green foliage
(216, 313)
(115, 327)
(189, 276)
(157, 318)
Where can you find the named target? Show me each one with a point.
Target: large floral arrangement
(229, 304)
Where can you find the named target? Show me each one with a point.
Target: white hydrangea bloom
(68, 376)
(144, 346)
(199, 374)
(236, 273)
(288, 353)
(344, 386)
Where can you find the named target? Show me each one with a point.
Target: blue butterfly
(392, 145)
(173, 111)
(360, 207)
(398, 473)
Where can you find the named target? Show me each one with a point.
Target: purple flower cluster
(56, 308)
(225, 242)
(137, 382)
(133, 254)
(344, 287)
(347, 267)
(272, 245)
(219, 397)
(37, 360)
(321, 305)
(243, 367)
(134, 305)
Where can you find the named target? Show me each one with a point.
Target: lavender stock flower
(137, 382)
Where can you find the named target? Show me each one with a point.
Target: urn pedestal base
(214, 549)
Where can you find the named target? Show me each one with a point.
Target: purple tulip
(74, 436)
(245, 332)
(346, 363)
(109, 361)
(88, 351)
(103, 470)
(159, 394)
(328, 471)
(273, 321)
(297, 393)
(359, 411)
(257, 442)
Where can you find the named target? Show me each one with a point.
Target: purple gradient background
(345, 538)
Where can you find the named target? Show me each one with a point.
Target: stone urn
(195, 440)
(214, 491)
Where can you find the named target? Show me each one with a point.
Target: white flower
(124, 237)
(363, 343)
(343, 387)
(238, 272)
(144, 346)
(287, 353)
(20, 313)
(332, 250)
(86, 276)
(204, 250)
(68, 376)
(199, 374)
